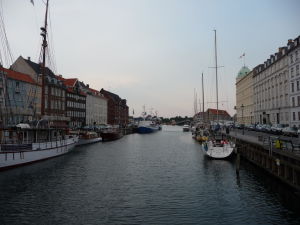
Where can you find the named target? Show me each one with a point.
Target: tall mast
(216, 60)
(44, 47)
(202, 99)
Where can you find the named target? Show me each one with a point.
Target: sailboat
(24, 143)
(217, 146)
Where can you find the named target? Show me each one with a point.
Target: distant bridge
(183, 122)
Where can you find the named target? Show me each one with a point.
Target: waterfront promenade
(278, 155)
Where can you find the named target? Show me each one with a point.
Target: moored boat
(217, 146)
(147, 126)
(24, 145)
(111, 133)
(186, 128)
(88, 137)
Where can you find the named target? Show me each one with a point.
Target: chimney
(28, 58)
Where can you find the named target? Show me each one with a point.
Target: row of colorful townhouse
(62, 102)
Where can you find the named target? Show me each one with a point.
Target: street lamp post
(242, 107)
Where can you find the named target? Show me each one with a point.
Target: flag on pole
(32, 2)
(133, 112)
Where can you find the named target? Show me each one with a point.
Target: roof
(220, 112)
(37, 68)
(69, 82)
(69, 89)
(97, 93)
(114, 97)
(18, 76)
(243, 72)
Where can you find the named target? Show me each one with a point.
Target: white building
(271, 90)
(294, 74)
(96, 108)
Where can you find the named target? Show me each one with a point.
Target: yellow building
(244, 96)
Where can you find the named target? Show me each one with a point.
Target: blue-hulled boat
(147, 126)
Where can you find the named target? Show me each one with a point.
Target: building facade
(54, 98)
(294, 75)
(244, 96)
(117, 109)
(75, 103)
(271, 90)
(96, 108)
(19, 98)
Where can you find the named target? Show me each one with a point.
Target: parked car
(251, 127)
(277, 128)
(259, 127)
(290, 131)
(266, 128)
(237, 125)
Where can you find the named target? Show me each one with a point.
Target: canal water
(160, 178)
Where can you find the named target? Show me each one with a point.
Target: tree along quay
(280, 158)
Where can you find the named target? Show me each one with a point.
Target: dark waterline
(160, 178)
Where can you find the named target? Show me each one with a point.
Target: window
(292, 87)
(294, 116)
(298, 115)
(297, 70)
(297, 85)
(293, 101)
(292, 72)
(298, 98)
(291, 57)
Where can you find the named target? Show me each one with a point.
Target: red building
(117, 110)
(212, 115)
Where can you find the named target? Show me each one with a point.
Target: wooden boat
(111, 133)
(88, 137)
(23, 144)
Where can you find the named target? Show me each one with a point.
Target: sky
(153, 52)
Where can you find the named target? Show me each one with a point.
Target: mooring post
(238, 160)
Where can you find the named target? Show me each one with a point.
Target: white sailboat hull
(38, 152)
(217, 152)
